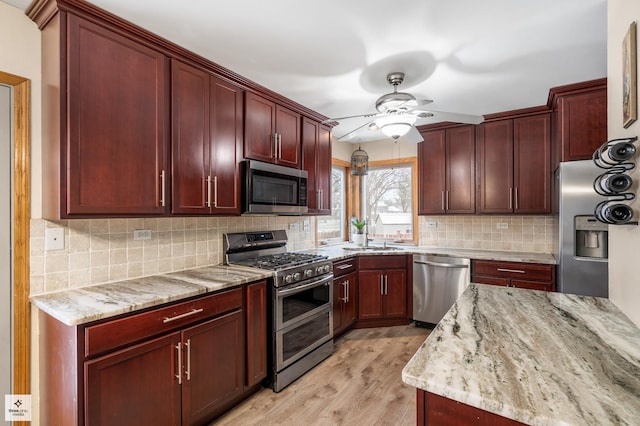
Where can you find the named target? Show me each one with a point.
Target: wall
(103, 250)
(624, 241)
(532, 234)
(377, 150)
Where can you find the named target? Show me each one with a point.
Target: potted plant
(358, 237)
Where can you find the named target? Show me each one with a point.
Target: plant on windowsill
(359, 236)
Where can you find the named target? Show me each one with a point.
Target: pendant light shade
(359, 162)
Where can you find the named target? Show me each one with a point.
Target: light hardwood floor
(360, 384)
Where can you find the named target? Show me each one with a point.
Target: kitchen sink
(372, 248)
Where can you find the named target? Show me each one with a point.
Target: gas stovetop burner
(279, 261)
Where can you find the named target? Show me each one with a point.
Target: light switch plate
(142, 234)
(431, 224)
(502, 225)
(54, 239)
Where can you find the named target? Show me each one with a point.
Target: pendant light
(359, 162)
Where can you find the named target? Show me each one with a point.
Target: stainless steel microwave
(273, 189)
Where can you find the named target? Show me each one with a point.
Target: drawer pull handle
(344, 266)
(517, 271)
(186, 314)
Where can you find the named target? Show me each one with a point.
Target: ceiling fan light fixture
(392, 101)
(395, 126)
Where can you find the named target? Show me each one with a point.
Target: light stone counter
(337, 252)
(537, 357)
(86, 304)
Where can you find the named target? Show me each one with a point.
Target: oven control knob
(308, 273)
(319, 270)
(288, 279)
(327, 269)
(296, 276)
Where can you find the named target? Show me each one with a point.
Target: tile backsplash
(103, 250)
(509, 233)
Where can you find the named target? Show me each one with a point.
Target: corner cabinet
(514, 166)
(383, 298)
(272, 132)
(207, 119)
(446, 168)
(105, 146)
(184, 363)
(316, 160)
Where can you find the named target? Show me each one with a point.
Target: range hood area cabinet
(272, 132)
(124, 136)
(106, 136)
(207, 125)
(446, 168)
(513, 169)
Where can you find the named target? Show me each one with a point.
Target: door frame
(21, 235)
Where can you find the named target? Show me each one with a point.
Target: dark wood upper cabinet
(513, 171)
(494, 169)
(446, 167)
(316, 160)
(206, 142)
(106, 141)
(272, 132)
(579, 120)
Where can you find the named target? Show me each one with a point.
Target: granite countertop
(86, 304)
(537, 357)
(341, 251)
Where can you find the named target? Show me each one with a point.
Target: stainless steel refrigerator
(583, 245)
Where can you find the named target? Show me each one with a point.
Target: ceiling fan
(399, 111)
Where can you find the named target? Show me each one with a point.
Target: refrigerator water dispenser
(591, 238)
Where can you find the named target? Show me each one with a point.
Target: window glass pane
(332, 227)
(387, 200)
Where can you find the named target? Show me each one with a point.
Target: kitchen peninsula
(539, 358)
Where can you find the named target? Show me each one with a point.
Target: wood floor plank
(360, 384)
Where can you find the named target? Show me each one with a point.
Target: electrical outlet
(293, 226)
(54, 239)
(432, 224)
(306, 226)
(142, 234)
(502, 225)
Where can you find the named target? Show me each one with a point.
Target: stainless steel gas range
(301, 295)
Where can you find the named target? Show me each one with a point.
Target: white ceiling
(469, 56)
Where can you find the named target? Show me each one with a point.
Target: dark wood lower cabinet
(179, 364)
(435, 410)
(532, 276)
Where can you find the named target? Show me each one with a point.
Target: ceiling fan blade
(412, 136)
(338, 119)
(455, 117)
(349, 134)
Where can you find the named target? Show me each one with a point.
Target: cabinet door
(532, 164)
(134, 386)
(583, 121)
(226, 135)
(316, 160)
(350, 312)
(288, 130)
(339, 288)
(460, 170)
(213, 367)
(259, 128)
(190, 139)
(117, 90)
(370, 291)
(395, 298)
(494, 166)
(256, 320)
(431, 169)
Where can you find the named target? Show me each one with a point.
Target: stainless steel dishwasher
(437, 283)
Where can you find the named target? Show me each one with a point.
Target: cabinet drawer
(123, 331)
(344, 267)
(526, 271)
(382, 262)
(481, 279)
(532, 285)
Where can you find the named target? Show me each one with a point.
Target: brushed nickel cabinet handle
(517, 271)
(345, 266)
(279, 146)
(186, 314)
(442, 200)
(188, 371)
(163, 187)
(517, 201)
(208, 191)
(178, 347)
(215, 191)
(275, 145)
(382, 285)
(510, 198)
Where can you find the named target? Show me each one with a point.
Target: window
(388, 201)
(332, 228)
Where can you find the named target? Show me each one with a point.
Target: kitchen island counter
(86, 304)
(536, 357)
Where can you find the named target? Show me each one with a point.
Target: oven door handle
(326, 279)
